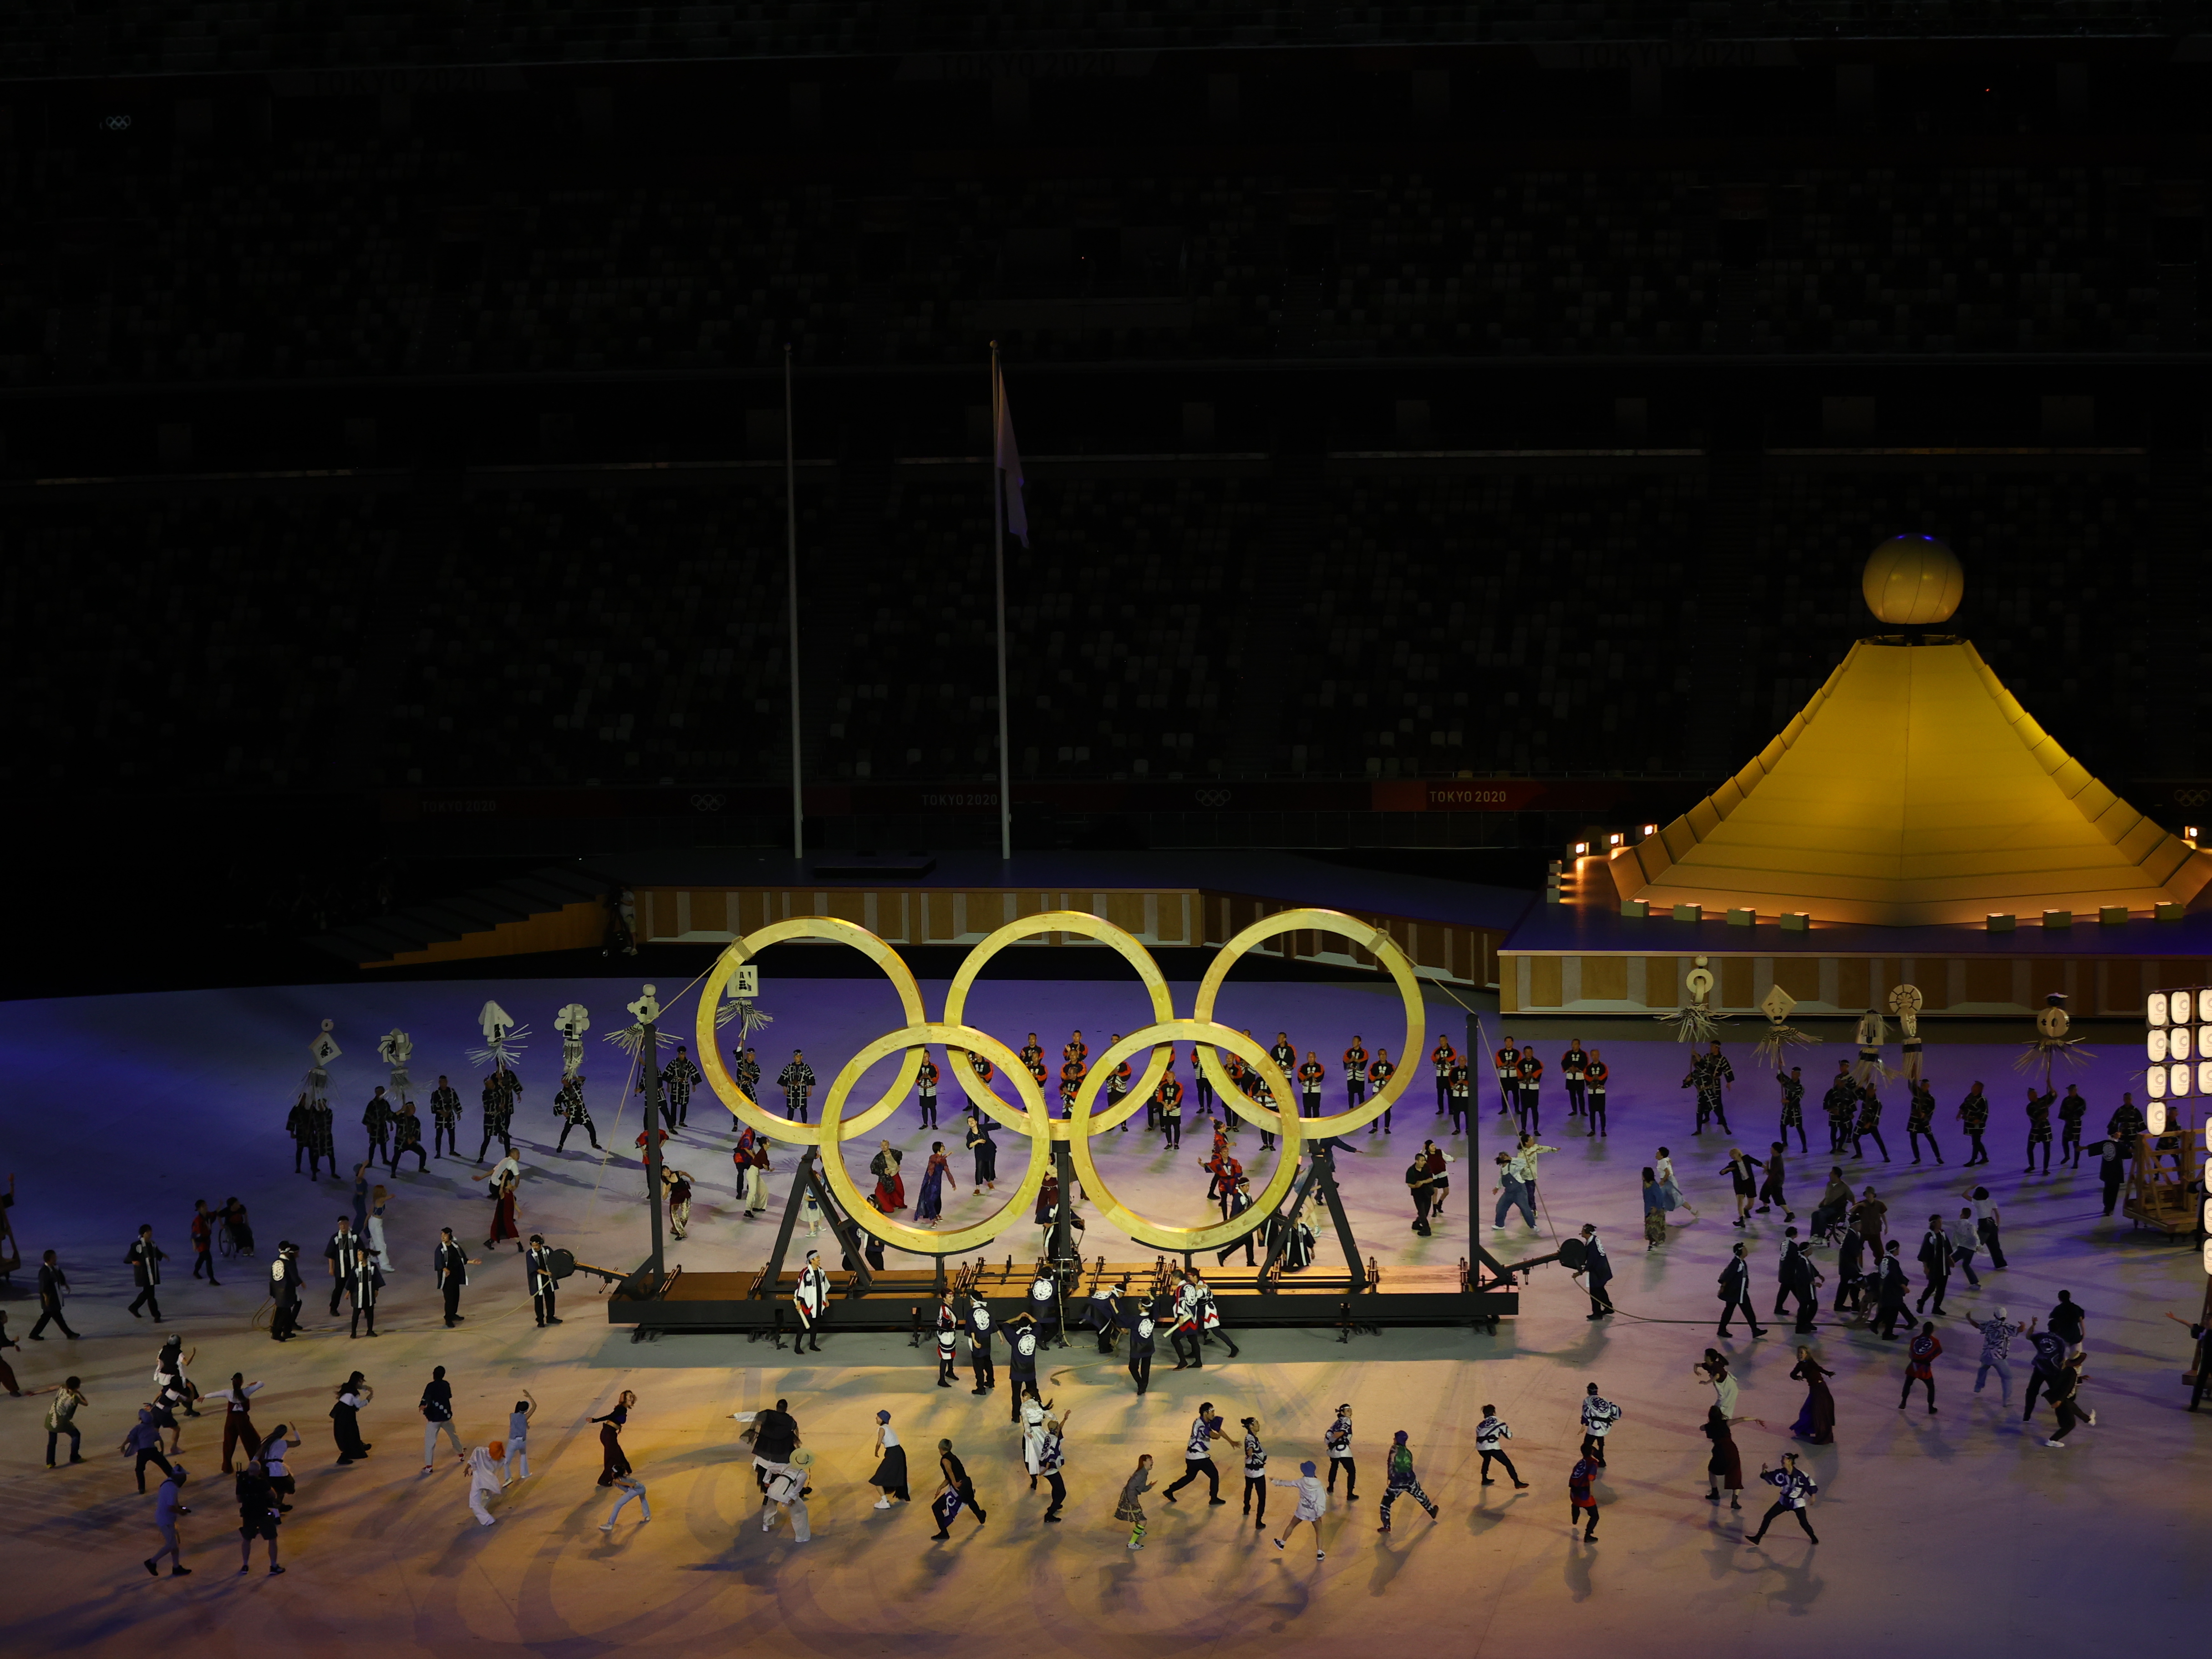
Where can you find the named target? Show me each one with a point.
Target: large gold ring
(1124, 944)
(1384, 949)
(1156, 1234)
(920, 1240)
(829, 928)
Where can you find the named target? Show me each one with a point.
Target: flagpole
(999, 563)
(791, 542)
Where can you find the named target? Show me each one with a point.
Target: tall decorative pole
(999, 569)
(791, 540)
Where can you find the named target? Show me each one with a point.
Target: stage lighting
(1582, 849)
(1614, 839)
(1651, 829)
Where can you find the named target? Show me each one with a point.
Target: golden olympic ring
(1385, 950)
(1156, 1234)
(1125, 944)
(933, 1241)
(748, 1110)
(1035, 1120)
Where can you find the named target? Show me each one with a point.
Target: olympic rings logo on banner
(1034, 1120)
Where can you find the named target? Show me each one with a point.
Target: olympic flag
(1008, 458)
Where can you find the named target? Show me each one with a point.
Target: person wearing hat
(890, 1476)
(1399, 1476)
(167, 1507)
(285, 1291)
(1313, 1503)
(1044, 1452)
(787, 1495)
(1793, 1488)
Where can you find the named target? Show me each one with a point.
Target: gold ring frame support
(1082, 923)
(1385, 950)
(831, 930)
(929, 1241)
(1080, 1129)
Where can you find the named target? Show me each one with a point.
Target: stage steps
(555, 908)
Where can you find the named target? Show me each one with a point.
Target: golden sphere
(1913, 580)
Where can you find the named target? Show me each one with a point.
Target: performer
(1310, 1076)
(1920, 1120)
(1337, 1438)
(1793, 1104)
(1870, 1123)
(322, 1145)
(1574, 1071)
(407, 1137)
(925, 1092)
(890, 1185)
(1599, 1415)
(1137, 1320)
(1973, 1116)
(1198, 1456)
(1102, 1315)
(1209, 1313)
(1071, 1083)
(1491, 1434)
(1417, 1184)
(296, 1125)
(368, 1280)
(538, 1274)
(930, 1205)
(2071, 1110)
(1872, 1033)
(2124, 1126)
(676, 1201)
(1442, 1058)
(1508, 1062)
(500, 1091)
(338, 1253)
(1021, 1355)
(1459, 1094)
(450, 1266)
(796, 1080)
(1075, 1048)
(1581, 1499)
(747, 1072)
(1708, 1073)
(376, 1118)
(445, 1120)
(1770, 1187)
(1529, 1107)
(750, 1158)
(1735, 1291)
(1380, 1070)
(978, 1141)
(948, 1338)
(1937, 1257)
(1841, 1104)
(810, 1298)
(1400, 1480)
(1044, 1305)
(980, 1334)
(568, 1105)
(1597, 1274)
(1313, 1503)
(1792, 1491)
(285, 1291)
(678, 1078)
(1595, 1072)
(1168, 1099)
(1355, 1074)
(1202, 1085)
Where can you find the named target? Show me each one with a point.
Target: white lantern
(2155, 1043)
(2181, 1004)
(2154, 1117)
(2177, 1080)
(2204, 1077)
(2154, 1010)
(2204, 1006)
(2204, 1041)
(2177, 1043)
(2154, 1081)
(2208, 1255)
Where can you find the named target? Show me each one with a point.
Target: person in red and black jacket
(1595, 1072)
(1529, 1107)
(1355, 1073)
(1311, 1076)
(925, 1092)
(1442, 1058)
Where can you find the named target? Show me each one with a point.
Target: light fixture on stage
(1614, 839)
(1582, 849)
(1651, 830)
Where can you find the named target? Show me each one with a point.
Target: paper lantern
(2204, 1077)
(2177, 1080)
(2155, 1009)
(2155, 1043)
(2154, 1081)
(2204, 1006)
(2154, 1117)
(1913, 580)
(2177, 1042)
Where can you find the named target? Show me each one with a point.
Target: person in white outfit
(1312, 1501)
(518, 1439)
(485, 1465)
(784, 1496)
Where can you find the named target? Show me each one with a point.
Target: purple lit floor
(1956, 1534)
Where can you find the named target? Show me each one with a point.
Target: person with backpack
(1399, 1478)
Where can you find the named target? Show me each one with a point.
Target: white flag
(1009, 459)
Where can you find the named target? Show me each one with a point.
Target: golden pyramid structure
(1913, 790)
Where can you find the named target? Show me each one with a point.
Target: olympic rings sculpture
(1034, 1120)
